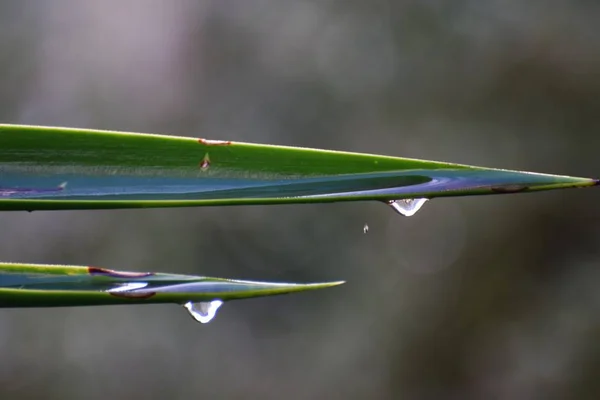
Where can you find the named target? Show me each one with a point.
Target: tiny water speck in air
(365, 228)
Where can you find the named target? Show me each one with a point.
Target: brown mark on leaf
(509, 188)
(117, 274)
(205, 164)
(208, 142)
(133, 295)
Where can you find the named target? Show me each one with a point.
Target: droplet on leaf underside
(407, 207)
(203, 311)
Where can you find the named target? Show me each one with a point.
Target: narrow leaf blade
(37, 285)
(45, 168)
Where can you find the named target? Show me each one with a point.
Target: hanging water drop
(204, 311)
(407, 207)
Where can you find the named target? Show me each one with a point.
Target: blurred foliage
(472, 298)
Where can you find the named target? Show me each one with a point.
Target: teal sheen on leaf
(38, 285)
(47, 168)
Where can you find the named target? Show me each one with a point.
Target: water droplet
(407, 207)
(204, 311)
(365, 228)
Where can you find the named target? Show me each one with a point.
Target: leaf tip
(324, 285)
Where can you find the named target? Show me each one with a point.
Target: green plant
(31, 285)
(43, 168)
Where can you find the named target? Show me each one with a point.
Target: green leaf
(45, 168)
(35, 285)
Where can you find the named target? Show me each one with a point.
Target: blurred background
(473, 298)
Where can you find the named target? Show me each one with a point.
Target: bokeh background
(473, 298)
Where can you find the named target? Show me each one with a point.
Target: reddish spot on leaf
(205, 162)
(208, 142)
(133, 295)
(509, 188)
(117, 274)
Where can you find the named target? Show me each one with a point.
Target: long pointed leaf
(44, 168)
(37, 285)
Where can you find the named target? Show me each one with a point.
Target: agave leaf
(45, 168)
(38, 285)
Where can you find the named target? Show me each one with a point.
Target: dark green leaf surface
(44, 168)
(32, 285)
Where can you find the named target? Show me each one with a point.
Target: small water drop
(407, 207)
(365, 228)
(204, 311)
